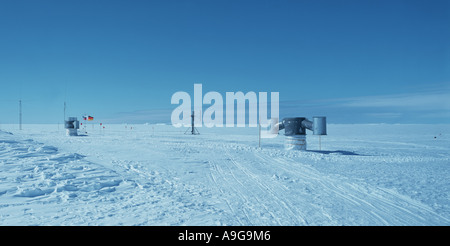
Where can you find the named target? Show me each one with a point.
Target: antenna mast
(64, 111)
(20, 114)
(194, 130)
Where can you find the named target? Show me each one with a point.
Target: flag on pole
(90, 118)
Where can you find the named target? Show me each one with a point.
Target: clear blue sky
(364, 61)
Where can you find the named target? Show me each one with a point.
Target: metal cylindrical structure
(293, 126)
(295, 130)
(72, 132)
(295, 142)
(319, 125)
(72, 124)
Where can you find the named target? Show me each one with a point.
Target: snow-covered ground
(155, 175)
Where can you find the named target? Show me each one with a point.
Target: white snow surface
(379, 174)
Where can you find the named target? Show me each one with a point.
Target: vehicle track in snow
(249, 204)
(373, 205)
(220, 179)
(263, 188)
(272, 193)
(222, 182)
(249, 197)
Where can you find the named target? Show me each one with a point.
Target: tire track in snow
(215, 169)
(372, 205)
(240, 197)
(254, 196)
(271, 192)
(261, 199)
(347, 196)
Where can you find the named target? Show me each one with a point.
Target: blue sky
(361, 61)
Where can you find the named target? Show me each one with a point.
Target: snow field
(156, 175)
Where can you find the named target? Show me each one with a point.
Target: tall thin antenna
(20, 114)
(64, 111)
(194, 130)
(20, 106)
(65, 99)
(259, 134)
